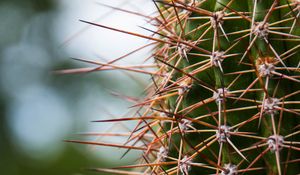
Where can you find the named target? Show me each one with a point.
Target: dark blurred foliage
(12, 161)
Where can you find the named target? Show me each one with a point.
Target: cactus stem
(258, 157)
(222, 67)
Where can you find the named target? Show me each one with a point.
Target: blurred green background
(38, 109)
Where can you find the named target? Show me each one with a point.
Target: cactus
(225, 92)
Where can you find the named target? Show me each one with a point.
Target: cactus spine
(225, 95)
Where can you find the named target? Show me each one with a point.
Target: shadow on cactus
(225, 96)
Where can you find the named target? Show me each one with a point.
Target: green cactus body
(225, 99)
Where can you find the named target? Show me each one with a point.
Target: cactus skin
(225, 96)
